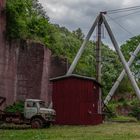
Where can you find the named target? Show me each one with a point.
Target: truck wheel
(36, 123)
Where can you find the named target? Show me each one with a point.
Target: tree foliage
(26, 19)
(17, 107)
(79, 34)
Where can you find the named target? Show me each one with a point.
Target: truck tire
(37, 123)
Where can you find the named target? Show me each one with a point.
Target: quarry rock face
(33, 65)
(25, 67)
(4, 54)
(24, 71)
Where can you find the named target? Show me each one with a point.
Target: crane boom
(126, 67)
(81, 50)
(116, 84)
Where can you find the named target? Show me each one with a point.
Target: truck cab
(37, 112)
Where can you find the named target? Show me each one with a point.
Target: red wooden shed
(76, 100)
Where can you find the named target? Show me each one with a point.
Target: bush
(135, 108)
(109, 111)
(16, 107)
(136, 112)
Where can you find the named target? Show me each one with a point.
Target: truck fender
(37, 117)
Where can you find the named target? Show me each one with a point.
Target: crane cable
(116, 11)
(123, 10)
(118, 17)
(130, 33)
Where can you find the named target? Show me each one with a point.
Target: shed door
(87, 112)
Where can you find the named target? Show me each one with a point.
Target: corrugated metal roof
(76, 76)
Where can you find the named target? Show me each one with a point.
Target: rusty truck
(35, 113)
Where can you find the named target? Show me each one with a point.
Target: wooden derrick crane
(98, 22)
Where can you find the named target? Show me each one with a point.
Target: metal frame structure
(102, 20)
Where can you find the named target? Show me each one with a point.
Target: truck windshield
(42, 104)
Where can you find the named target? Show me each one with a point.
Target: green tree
(79, 34)
(26, 19)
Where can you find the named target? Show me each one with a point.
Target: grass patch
(106, 131)
(123, 119)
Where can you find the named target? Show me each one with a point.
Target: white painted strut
(76, 59)
(126, 67)
(115, 86)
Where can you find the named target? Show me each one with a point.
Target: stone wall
(33, 67)
(7, 60)
(25, 67)
(25, 71)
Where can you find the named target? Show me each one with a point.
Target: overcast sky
(81, 13)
